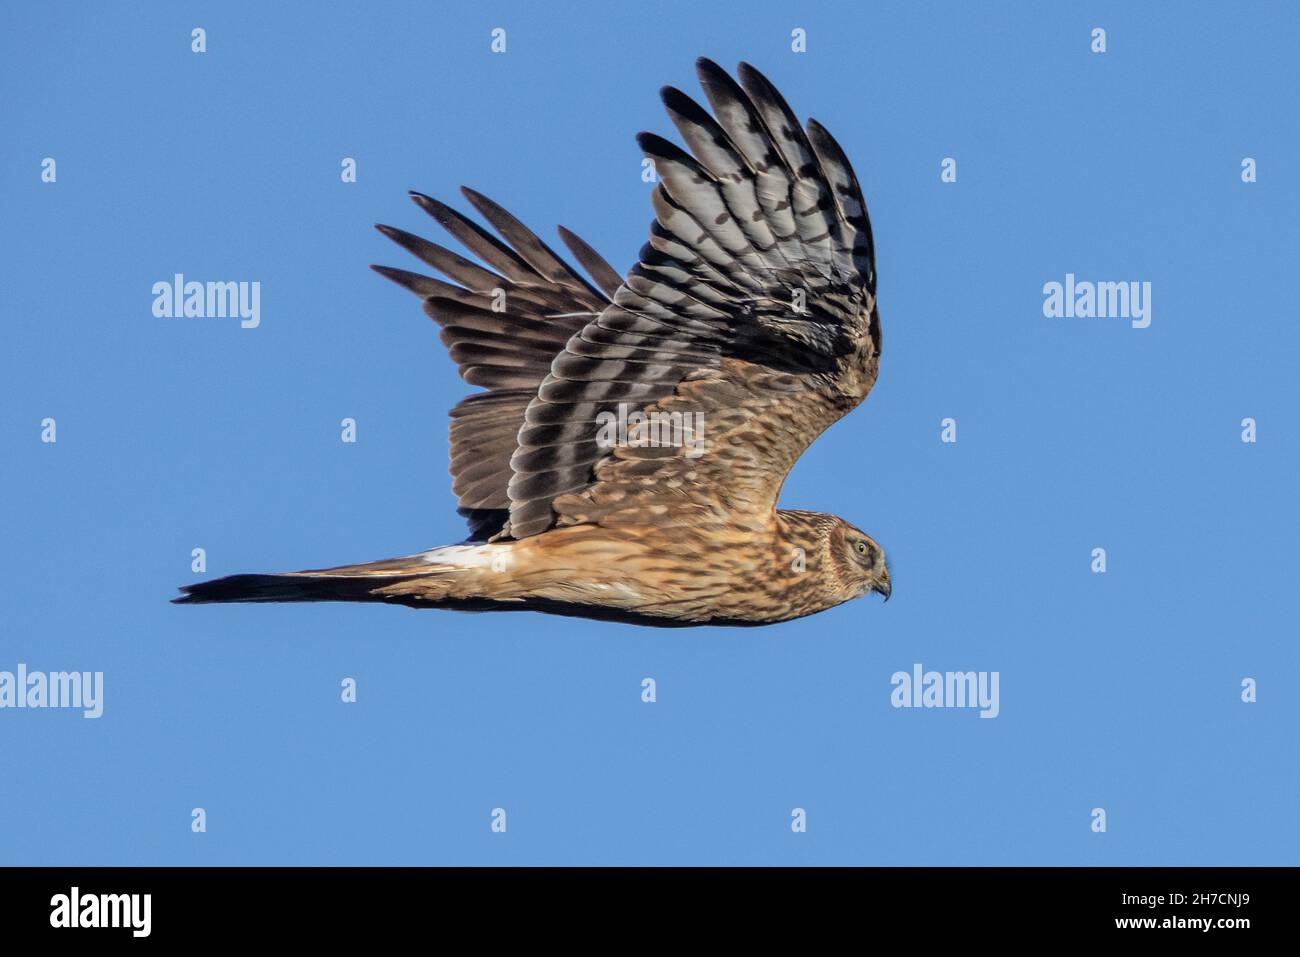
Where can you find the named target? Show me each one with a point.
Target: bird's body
(747, 329)
(722, 573)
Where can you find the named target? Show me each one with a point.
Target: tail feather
(287, 588)
(443, 573)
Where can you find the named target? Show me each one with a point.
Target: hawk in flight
(626, 454)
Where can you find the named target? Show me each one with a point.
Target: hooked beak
(884, 587)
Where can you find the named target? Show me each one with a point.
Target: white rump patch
(496, 555)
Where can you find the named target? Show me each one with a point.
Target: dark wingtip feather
(484, 205)
(656, 145)
(427, 203)
(759, 88)
(707, 68)
(747, 71)
(502, 220)
(718, 85)
(446, 217)
(822, 140)
(605, 276)
(680, 103)
(530, 248)
(423, 286)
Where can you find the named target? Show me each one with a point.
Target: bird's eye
(862, 548)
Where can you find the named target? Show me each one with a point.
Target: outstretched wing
(752, 311)
(503, 327)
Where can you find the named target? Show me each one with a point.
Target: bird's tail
(443, 573)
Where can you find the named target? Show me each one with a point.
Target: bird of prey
(625, 457)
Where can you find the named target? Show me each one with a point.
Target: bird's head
(859, 561)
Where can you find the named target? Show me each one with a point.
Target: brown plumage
(626, 458)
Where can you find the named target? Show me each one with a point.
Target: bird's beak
(884, 587)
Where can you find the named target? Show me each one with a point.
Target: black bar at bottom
(337, 905)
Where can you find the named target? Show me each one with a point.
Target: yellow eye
(862, 548)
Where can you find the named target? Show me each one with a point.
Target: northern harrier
(625, 459)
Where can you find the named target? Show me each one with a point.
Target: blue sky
(1119, 690)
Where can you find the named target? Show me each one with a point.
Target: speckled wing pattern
(752, 306)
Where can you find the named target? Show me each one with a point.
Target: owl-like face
(861, 561)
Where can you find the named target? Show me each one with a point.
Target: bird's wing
(503, 326)
(752, 307)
